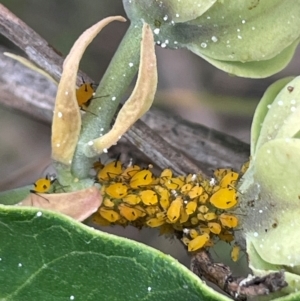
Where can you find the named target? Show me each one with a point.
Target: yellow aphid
(164, 196)
(209, 243)
(229, 179)
(84, 94)
(131, 214)
(161, 215)
(130, 171)
(110, 171)
(109, 214)
(152, 210)
(203, 198)
(228, 220)
(117, 190)
(200, 217)
(141, 178)
(195, 192)
(193, 233)
(226, 236)
(205, 230)
(194, 220)
(191, 178)
(198, 242)
(173, 183)
(183, 216)
(214, 228)
(185, 240)
(132, 199)
(210, 216)
(99, 220)
(221, 172)
(155, 222)
(244, 167)
(191, 207)
(173, 212)
(224, 198)
(43, 185)
(235, 253)
(107, 202)
(166, 173)
(148, 197)
(203, 209)
(186, 188)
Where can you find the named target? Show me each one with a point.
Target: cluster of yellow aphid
(190, 204)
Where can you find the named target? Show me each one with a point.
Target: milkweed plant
(253, 209)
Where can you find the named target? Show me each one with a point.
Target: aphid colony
(191, 204)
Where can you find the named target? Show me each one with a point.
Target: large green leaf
(47, 256)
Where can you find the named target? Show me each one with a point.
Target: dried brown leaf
(78, 205)
(66, 118)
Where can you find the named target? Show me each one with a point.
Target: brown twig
(237, 287)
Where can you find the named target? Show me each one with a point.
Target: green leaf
(237, 31)
(262, 110)
(283, 106)
(14, 196)
(254, 69)
(47, 256)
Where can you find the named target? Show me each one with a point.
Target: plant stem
(118, 76)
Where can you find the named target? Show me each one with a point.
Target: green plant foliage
(269, 193)
(47, 256)
(246, 38)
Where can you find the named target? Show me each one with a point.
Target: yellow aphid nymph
(229, 179)
(84, 95)
(148, 197)
(110, 171)
(109, 214)
(141, 178)
(198, 242)
(132, 199)
(131, 214)
(214, 228)
(155, 222)
(195, 192)
(224, 198)
(117, 190)
(228, 220)
(43, 185)
(173, 212)
(191, 207)
(235, 253)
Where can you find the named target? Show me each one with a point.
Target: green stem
(114, 83)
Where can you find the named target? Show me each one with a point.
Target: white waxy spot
(280, 102)
(99, 108)
(66, 93)
(105, 150)
(214, 39)
(0, 259)
(269, 106)
(255, 234)
(268, 151)
(239, 37)
(212, 182)
(163, 45)
(238, 30)
(39, 213)
(102, 129)
(130, 65)
(243, 21)
(113, 98)
(177, 15)
(19, 265)
(186, 230)
(165, 18)
(260, 211)
(156, 30)
(208, 17)
(149, 289)
(293, 101)
(91, 142)
(185, 286)
(72, 297)
(203, 45)
(293, 109)
(59, 114)
(253, 28)
(58, 145)
(175, 42)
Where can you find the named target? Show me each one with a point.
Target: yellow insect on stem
(235, 253)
